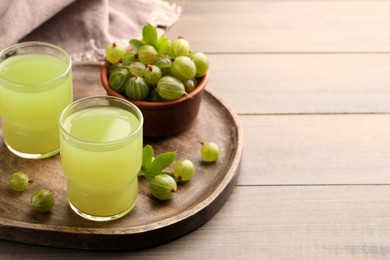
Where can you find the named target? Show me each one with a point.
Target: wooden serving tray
(151, 222)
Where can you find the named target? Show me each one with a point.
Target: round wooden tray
(151, 222)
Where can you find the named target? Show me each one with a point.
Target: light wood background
(310, 81)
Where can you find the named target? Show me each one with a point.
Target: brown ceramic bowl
(164, 118)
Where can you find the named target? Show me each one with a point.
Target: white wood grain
(285, 26)
(302, 83)
(316, 149)
(320, 222)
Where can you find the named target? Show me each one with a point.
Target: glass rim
(121, 100)
(37, 43)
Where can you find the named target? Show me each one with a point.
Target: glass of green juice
(35, 86)
(101, 155)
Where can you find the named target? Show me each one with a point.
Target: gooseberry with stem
(209, 151)
(162, 186)
(170, 88)
(152, 74)
(184, 170)
(180, 47)
(115, 51)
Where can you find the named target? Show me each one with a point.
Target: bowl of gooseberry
(164, 79)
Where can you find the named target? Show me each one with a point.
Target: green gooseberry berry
(117, 79)
(18, 181)
(114, 67)
(184, 170)
(154, 96)
(162, 186)
(183, 68)
(180, 47)
(170, 88)
(136, 88)
(137, 68)
(164, 63)
(115, 51)
(42, 200)
(152, 74)
(129, 57)
(147, 54)
(210, 152)
(201, 63)
(190, 84)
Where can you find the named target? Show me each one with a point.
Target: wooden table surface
(310, 81)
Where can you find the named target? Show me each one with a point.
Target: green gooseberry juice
(101, 155)
(35, 86)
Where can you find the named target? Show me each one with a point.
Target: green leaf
(163, 45)
(149, 34)
(147, 158)
(136, 44)
(159, 164)
(141, 173)
(163, 161)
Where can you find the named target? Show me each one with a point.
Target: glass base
(100, 218)
(32, 156)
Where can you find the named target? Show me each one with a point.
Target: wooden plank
(294, 223)
(343, 222)
(302, 83)
(315, 149)
(285, 26)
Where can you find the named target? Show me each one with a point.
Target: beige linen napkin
(81, 27)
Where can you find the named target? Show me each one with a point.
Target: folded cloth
(82, 27)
